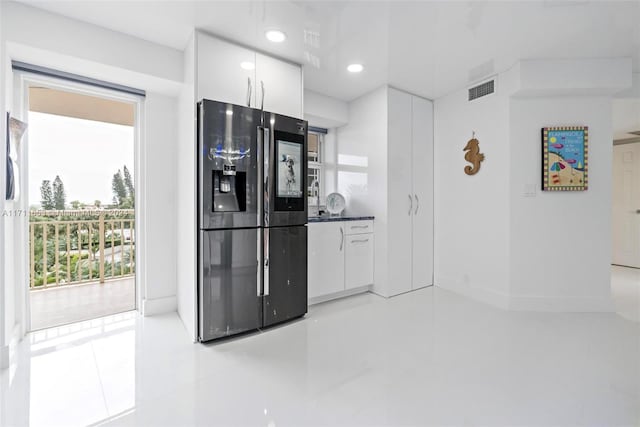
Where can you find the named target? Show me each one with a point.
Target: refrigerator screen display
(290, 179)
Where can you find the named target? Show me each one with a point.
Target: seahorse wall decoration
(473, 156)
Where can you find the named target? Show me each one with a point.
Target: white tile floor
(425, 358)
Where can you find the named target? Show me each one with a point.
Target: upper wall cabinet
(219, 72)
(282, 86)
(231, 73)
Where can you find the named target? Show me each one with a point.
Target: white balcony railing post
(32, 246)
(45, 269)
(101, 245)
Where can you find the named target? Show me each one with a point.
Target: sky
(84, 153)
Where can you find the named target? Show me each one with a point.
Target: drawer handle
(360, 241)
(359, 226)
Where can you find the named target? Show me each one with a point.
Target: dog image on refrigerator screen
(289, 178)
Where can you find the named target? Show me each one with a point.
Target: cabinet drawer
(359, 260)
(358, 227)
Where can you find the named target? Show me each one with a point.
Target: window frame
(317, 165)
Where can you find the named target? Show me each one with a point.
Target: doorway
(625, 272)
(79, 182)
(626, 204)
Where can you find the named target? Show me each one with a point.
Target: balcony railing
(65, 250)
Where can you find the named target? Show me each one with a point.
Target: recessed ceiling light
(275, 36)
(355, 68)
(247, 65)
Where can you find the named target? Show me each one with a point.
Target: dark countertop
(328, 218)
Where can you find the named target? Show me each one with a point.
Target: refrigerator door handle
(266, 189)
(260, 171)
(259, 281)
(265, 280)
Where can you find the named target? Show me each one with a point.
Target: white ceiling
(427, 47)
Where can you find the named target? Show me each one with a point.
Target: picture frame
(565, 158)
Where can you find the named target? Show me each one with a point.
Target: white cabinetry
(326, 258)
(422, 184)
(282, 86)
(358, 261)
(410, 192)
(400, 193)
(393, 130)
(221, 77)
(340, 258)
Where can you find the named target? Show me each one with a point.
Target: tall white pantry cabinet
(409, 194)
(213, 69)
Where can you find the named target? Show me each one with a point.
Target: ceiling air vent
(481, 90)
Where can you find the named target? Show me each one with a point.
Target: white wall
(626, 117)
(500, 239)
(567, 77)
(35, 34)
(325, 111)
(93, 51)
(471, 242)
(361, 154)
(560, 241)
(634, 90)
(330, 163)
(160, 180)
(186, 196)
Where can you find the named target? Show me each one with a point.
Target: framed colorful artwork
(565, 152)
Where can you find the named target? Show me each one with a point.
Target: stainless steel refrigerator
(252, 215)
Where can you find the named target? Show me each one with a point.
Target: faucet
(315, 188)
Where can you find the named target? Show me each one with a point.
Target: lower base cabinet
(341, 255)
(358, 269)
(326, 258)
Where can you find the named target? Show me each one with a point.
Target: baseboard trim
(8, 351)
(151, 307)
(487, 296)
(563, 304)
(337, 295)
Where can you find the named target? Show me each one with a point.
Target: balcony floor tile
(74, 303)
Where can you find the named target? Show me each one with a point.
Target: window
(315, 140)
